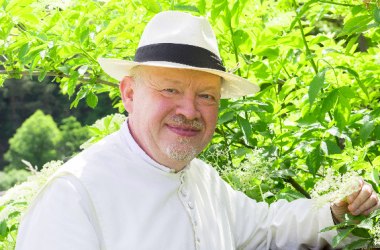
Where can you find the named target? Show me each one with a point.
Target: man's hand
(362, 202)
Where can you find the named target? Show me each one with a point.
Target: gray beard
(182, 150)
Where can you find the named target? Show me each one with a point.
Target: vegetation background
(317, 63)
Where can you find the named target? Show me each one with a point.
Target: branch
(297, 186)
(54, 74)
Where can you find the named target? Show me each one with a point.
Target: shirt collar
(135, 148)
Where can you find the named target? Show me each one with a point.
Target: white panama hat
(175, 39)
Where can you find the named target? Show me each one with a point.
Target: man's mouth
(184, 130)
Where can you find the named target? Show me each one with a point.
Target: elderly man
(143, 188)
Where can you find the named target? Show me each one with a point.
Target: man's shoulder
(204, 169)
(100, 157)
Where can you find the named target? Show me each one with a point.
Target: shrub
(35, 141)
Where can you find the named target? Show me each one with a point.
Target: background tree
(73, 135)
(35, 141)
(20, 98)
(12, 177)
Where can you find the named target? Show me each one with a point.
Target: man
(143, 188)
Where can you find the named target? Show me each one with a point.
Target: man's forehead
(176, 75)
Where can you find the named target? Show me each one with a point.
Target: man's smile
(184, 130)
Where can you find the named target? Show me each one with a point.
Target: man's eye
(207, 97)
(170, 91)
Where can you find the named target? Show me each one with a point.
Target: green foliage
(72, 136)
(35, 141)
(103, 127)
(317, 63)
(39, 140)
(12, 177)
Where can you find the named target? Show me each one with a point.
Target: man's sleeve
(59, 219)
(282, 225)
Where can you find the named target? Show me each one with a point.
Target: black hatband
(179, 53)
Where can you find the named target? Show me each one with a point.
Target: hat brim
(233, 86)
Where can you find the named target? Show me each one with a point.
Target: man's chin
(181, 153)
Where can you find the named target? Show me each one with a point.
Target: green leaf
(242, 39)
(152, 5)
(245, 126)
(376, 14)
(23, 51)
(358, 244)
(292, 40)
(374, 213)
(53, 20)
(330, 101)
(356, 25)
(314, 160)
(375, 176)
(202, 7)
(64, 69)
(362, 232)
(270, 52)
(268, 107)
(2, 80)
(347, 92)
(226, 117)
(366, 130)
(356, 75)
(91, 100)
(184, 7)
(72, 83)
(352, 45)
(42, 75)
(342, 112)
(84, 35)
(319, 39)
(34, 64)
(14, 214)
(344, 224)
(342, 234)
(316, 86)
(3, 228)
(217, 7)
(366, 224)
(300, 12)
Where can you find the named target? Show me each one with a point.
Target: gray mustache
(181, 120)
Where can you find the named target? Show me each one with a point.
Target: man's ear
(126, 92)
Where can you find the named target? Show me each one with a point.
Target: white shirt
(113, 196)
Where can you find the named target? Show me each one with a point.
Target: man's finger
(365, 200)
(340, 203)
(352, 197)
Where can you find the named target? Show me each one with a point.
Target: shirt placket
(188, 202)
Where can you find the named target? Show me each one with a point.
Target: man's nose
(188, 107)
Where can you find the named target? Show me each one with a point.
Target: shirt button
(195, 223)
(183, 192)
(190, 204)
(198, 240)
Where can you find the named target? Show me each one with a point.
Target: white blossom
(334, 188)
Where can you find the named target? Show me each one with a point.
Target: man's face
(172, 112)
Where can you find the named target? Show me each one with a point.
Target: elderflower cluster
(334, 188)
(375, 232)
(253, 171)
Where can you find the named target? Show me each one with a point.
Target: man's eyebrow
(172, 80)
